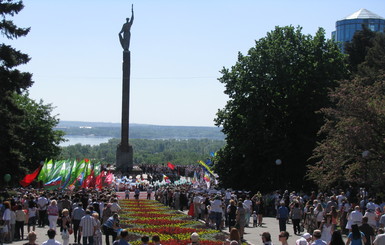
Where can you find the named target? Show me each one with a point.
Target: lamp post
(278, 162)
(365, 155)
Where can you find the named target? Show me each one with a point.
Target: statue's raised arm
(125, 33)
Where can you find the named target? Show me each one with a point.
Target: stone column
(124, 152)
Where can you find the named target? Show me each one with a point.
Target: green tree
(274, 92)
(11, 81)
(358, 48)
(40, 139)
(353, 151)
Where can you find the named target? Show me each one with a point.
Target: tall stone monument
(124, 152)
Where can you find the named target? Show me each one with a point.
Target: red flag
(109, 178)
(170, 165)
(89, 180)
(98, 181)
(30, 177)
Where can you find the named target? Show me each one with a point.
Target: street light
(365, 153)
(278, 162)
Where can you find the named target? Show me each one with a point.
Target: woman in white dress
(327, 229)
(319, 214)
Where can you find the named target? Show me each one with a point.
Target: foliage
(274, 92)
(353, 150)
(358, 47)
(11, 81)
(147, 151)
(26, 126)
(40, 140)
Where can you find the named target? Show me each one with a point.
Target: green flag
(43, 175)
(55, 177)
(55, 170)
(97, 168)
(68, 175)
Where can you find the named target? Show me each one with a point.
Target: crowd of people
(323, 216)
(81, 214)
(87, 215)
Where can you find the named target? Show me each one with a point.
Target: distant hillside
(140, 131)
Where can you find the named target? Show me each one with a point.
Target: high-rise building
(346, 27)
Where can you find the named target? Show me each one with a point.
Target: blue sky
(177, 50)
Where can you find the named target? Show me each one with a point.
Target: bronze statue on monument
(126, 31)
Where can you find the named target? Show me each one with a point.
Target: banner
(46, 169)
(206, 168)
(29, 178)
(67, 174)
(171, 166)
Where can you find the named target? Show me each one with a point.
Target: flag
(98, 180)
(96, 172)
(171, 166)
(55, 172)
(30, 177)
(205, 167)
(166, 179)
(209, 162)
(78, 172)
(67, 175)
(109, 178)
(43, 175)
(89, 180)
(97, 168)
(88, 168)
(53, 183)
(206, 177)
(195, 178)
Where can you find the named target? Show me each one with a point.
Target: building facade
(346, 27)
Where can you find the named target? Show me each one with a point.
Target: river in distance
(84, 140)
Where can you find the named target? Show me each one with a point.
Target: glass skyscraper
(346, 27)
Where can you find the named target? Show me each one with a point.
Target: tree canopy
(274, 92)
(353, 150)
(26, 127)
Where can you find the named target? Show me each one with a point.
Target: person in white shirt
(115, 208)
(371, 218)
(197, 205)
(371, 205)
(380, 238)
(87, 228)
(356, 216)
(7, 222)
(42, 203)
(216, 208)
(51, 238)
(247, 205)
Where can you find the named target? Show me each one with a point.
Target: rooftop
(363, 14)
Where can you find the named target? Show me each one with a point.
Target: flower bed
(149, 217)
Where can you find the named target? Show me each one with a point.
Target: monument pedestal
(124, 158)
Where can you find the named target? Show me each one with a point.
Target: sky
(178, 49)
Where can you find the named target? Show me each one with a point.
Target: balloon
(7, 177)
